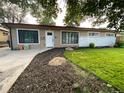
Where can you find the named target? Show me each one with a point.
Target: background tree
(11, 13)
(41, 9)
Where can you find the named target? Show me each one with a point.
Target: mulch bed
(39, 77)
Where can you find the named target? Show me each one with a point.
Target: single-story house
(40, 36)
(3, 35)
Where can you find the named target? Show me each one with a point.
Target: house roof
(4, 29)
(51, 27)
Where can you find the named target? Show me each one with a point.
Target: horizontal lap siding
(99, 41)
(84, 39)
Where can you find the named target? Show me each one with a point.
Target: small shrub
(120, 44)
(77, 90)
(92, 45)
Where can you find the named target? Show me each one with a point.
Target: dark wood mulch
(39, 77)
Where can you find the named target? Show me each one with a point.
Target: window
(49, 33)
(69, 37)
(28, 36)
(93, 34)
(110, 34)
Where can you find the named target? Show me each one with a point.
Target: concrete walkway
(12, 64)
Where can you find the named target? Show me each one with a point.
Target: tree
(111, 11)
(41, 9)
(74, 14)
(43, 15)
(47, 21)
(11, 13)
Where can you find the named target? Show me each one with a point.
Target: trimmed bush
(92, 45)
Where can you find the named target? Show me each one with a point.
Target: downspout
(11, 43)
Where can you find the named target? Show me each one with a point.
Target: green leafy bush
(120, 44)
(92, 45)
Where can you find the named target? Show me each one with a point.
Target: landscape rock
(69, 48)
(57, 61)
(108, 85)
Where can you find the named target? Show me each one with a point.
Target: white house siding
(84, 40)
(98, 41)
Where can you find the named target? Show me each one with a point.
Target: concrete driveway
(12, 64)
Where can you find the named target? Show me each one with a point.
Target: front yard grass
(106, 63)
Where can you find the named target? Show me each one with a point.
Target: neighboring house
(40, 36)
(3, 35)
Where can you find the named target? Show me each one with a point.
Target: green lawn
(106, 63)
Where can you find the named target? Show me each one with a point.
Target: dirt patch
(39, 77)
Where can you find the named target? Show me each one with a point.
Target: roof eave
(49, 27)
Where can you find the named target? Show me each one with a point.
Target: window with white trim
(69, 37)
(28, 36)
(110, 34)
(93, 33)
